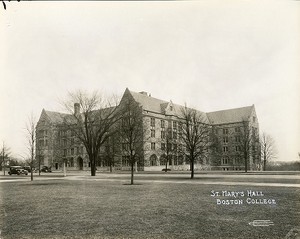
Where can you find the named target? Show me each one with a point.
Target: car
(28, 168)
(17, 170)
(46, 169)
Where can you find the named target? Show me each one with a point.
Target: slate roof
(230, 116)
(55, 117)
(159, 106)
(149, 103)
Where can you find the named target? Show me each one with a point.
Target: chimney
(76, 108)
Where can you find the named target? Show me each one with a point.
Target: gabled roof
(149, 103)
(56, 117)
(59, 118)
(231, 115)
(160, 106)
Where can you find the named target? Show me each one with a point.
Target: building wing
(231, 115)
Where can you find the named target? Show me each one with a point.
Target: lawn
(109, 209)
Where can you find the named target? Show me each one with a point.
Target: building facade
(163, 146)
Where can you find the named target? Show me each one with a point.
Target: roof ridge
(238, 108)
(150, 97)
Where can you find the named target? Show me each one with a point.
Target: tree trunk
(131, 182)
(110, 167)
(246, 163)
(31, 173)
(166, 165)
(65, 171)
(39, 165)
(265, 162)
(93, 167)
(192, 169)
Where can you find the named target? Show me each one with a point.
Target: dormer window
(171, 108)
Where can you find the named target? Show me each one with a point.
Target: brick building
(162, 119)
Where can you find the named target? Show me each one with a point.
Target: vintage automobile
(46, 169)
(28, 169)
(17, 170)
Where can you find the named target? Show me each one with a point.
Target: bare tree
(268, 149)
(5, 152)
(31, 141)
(111, 150)
(168, 149)
(246, 141)
(132, 132)
(91, 119)
(195, 136)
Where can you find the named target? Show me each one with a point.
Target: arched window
(153, 160)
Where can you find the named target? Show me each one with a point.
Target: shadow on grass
(135, 184)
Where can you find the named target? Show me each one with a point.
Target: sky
(211, 55)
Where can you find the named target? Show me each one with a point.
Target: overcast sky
(213, 55)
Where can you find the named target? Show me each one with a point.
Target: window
(237, 129)
(72, 151)
(170, 134)
(237, 139)
(225, 160)
(225, 149)
(152, 133)
(65, 152)
(254, 119)
(163, 134)
(174, 124)
(225, 131)
(152, 123)
(72, 140)
(174, 135)
(71, 162)
(180, 127)
(225, 139)
(163, 146)
(153, 160)
(162, 123)
(153, 146)
(237, 148)
(125, 161)
(174, 147)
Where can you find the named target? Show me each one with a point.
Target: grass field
(110, 209)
